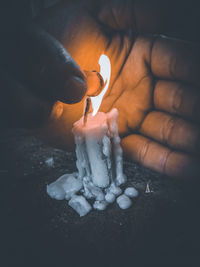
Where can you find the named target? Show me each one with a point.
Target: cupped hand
(157, 95)
(154, 85)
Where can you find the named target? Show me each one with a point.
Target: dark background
(160, 229)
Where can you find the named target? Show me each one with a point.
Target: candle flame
(105, 71)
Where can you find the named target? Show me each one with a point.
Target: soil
(160, 229)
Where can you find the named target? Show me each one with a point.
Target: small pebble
(110, 197)
(131, 192)
(124, 202)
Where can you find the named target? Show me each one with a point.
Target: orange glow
(105, 71)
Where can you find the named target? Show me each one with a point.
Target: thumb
(47, 68)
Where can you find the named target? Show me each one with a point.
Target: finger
(19, 107)
(175, 60)
(56, 70)
(160, 158)
(46, 67)
(171, 131)
(177, 98)
(57, 110)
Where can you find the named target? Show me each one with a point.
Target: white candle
(98, 151)
(91, 160)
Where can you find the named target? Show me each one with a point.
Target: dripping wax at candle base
(99, 164)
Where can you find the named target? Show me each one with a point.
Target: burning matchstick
(86, 111)
(95, 86)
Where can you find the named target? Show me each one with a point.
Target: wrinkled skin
(154, 84)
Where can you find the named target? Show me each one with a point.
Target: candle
(97, 146)
(99, 159)
(93, 149)
(98, 151)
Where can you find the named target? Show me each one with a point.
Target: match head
(95, 82)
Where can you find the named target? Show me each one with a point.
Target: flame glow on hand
(105, 71)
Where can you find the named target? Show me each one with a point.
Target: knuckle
(165, 161)
(143, 151)
(177, 99)
(167, 130)
(173, 66)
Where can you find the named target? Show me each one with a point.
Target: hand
(35, 73)
(157, 94)
(154, 85)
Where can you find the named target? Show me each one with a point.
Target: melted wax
(100, 167)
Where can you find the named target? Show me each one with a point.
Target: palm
(132, 91)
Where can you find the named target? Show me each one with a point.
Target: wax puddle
(100, 168)
(77, 192)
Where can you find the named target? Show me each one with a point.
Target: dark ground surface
(160, 229)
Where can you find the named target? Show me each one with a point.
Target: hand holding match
(154, 85)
